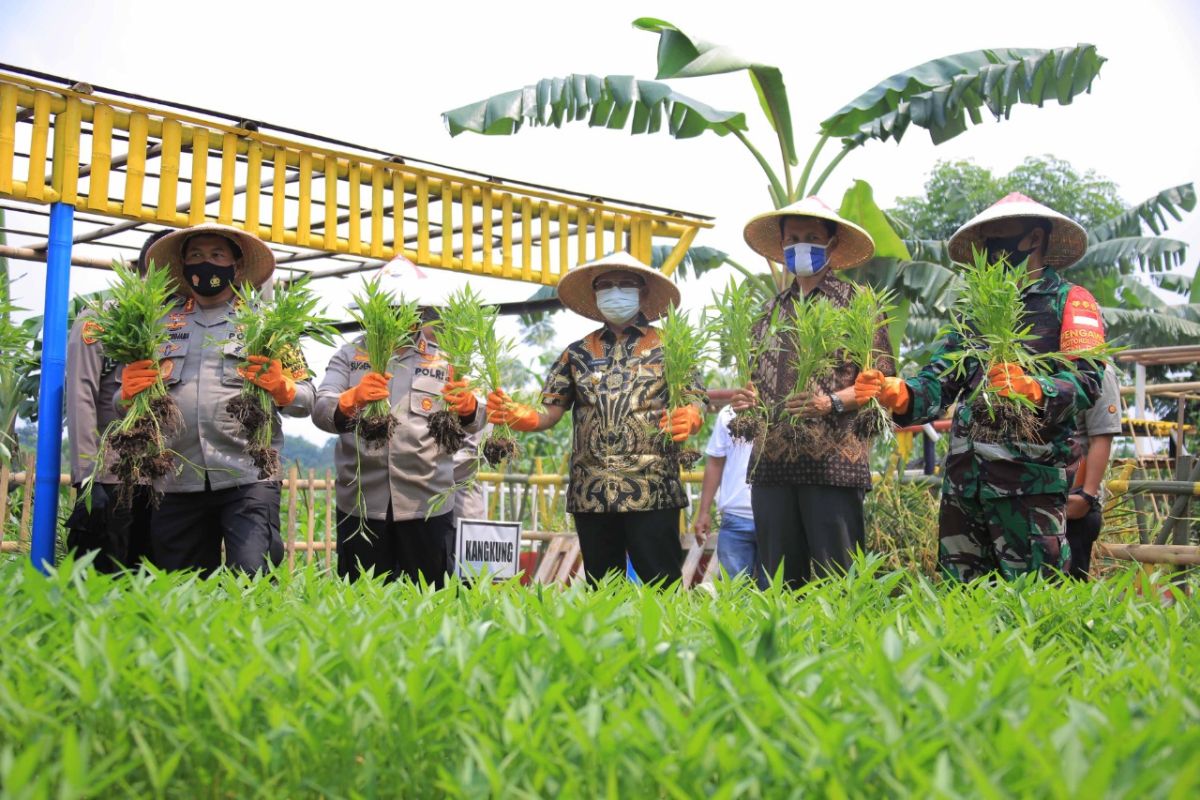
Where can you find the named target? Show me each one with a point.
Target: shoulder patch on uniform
(1082, 323)
(89, 331)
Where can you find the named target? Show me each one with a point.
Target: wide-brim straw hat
(576, 292)
(854, 245)
(257, 263)
(1068, 239)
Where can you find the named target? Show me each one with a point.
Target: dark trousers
(413, 548)
(120, 534)
(1081, 535)
(809, 530)
(651, 538)
(188, 529)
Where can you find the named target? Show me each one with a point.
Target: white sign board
(484, 546)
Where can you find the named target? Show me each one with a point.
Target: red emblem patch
(90, 329)
(1082, 323)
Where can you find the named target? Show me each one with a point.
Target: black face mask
(207, 279)
(1006, 247)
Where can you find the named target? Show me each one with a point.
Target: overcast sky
(381, 73)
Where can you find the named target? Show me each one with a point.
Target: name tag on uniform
(596, 363)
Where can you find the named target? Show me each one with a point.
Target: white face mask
(619, 305)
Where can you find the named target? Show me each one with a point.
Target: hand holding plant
(389, 325)
(459, 328)
(269, 333)
(685, 350)
(737, 309)
(868, 310)
(129, 328)
(500, 445)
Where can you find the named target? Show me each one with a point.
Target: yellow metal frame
(482, 227)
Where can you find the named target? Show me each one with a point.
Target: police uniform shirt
(410, 471)
(200, 368)
(92, 380)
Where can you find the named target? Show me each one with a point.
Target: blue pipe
(50, 391)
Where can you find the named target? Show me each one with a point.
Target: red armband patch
(1082, 323)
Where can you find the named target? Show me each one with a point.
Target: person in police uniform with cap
(217, 496)
(117, 531)
(384, 494)
(624, 493)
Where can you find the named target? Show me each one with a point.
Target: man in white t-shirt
(725, 478)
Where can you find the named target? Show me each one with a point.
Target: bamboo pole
(5, 476)
(330, 533)
(1188, 555)
(27, 501)
(293, 479)
(312, 520)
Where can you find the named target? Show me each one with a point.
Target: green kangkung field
(880, 684)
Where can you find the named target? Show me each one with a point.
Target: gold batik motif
(620, 460)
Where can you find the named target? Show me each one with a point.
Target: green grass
(876, 685)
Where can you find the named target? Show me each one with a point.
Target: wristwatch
(1092, 501)
(838, 406)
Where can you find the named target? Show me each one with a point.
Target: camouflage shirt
(620, 460)
(1014, 468)
(845, 464)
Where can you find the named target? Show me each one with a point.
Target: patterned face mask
(207, 279)
(805, 259)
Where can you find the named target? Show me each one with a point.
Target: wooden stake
(293, 478)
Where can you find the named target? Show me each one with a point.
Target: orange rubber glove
(498, 403)
(1010, 379)
(681, 423)
(459, 398)
(268, 373)
(867, 385)
(137, 377)
(503, 410)
(374, 386)
(892, 393)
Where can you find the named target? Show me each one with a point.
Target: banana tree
(944, 96)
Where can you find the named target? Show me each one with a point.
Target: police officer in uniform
(118, 531)
(217, 496)
(385, 523)
(1003, 507)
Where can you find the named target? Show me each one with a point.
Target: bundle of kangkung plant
(813, 336)
(500, 445)
(389, 324)
(869, 310)
(129, 328)
(737, 310)
(272, 329)
(989, 322)
(685, 349)
(458, 329)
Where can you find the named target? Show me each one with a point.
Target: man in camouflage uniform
(624, 493)
(384, 495)
(1003, 504)
(118, 532)
(217, 497)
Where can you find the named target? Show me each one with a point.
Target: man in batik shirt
(625, 492)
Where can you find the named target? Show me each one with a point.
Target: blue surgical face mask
(619, 305)
(805, 259)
